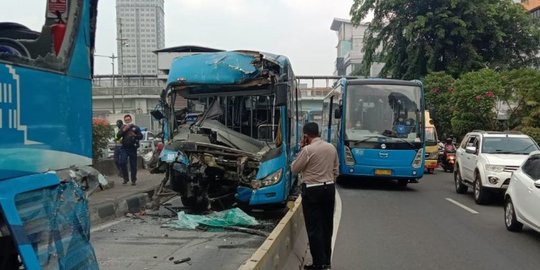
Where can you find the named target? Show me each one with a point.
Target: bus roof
(226, 72)
(384, 81)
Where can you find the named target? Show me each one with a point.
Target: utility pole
(113, 89)
(121, 44)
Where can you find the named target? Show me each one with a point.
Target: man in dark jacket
(130, 134)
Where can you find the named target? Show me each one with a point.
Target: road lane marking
(106, 225)
(462, 206)
(337, 220)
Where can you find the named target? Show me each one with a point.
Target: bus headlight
(349, 158)
(417, 162)
(267, 181)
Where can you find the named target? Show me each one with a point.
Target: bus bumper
(382, 172)
(269, 195)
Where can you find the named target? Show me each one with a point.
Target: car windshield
(508, 145)
(388, 111)
(431, 137)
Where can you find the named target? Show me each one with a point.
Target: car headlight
(267, 181)
(494, 168)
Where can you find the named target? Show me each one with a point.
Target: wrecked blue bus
(45, 134)
(239, 150)
(377, 126)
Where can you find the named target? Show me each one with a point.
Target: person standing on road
(130, 134)
(117, 148)
(319, 165)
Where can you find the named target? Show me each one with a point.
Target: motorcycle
(448, 163)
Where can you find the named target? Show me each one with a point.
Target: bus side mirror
(281, 94)
(337, 113)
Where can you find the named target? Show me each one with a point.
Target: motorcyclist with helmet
(449, 148)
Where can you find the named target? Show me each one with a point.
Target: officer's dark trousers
(318, 206)
(129, 156)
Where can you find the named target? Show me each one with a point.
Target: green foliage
(101, 132)
(439, 88)
(474, 101)
(457, 36)
(471, 102)
(522, 88)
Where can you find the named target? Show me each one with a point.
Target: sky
(299, 29)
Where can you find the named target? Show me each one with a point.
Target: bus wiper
(369, 138)
(403, 140)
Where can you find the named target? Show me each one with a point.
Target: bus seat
(41, 46)
(16, 31)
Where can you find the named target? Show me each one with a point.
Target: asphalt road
(138, 243)
(387, 227)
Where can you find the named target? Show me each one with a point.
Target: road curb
(286, 247)
(109, 210)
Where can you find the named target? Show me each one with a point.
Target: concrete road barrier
(286, 247)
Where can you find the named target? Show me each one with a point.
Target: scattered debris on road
(182, 260)
(228, 218)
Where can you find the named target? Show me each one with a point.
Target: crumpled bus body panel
(48, 222)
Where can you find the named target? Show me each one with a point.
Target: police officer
(130, 134)
(318, 163)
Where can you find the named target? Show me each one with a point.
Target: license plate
(383, 172)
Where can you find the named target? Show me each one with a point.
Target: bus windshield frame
(387, 112)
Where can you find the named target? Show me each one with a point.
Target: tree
(439, 89)
(101, 132)
(523, 98)
(474, 101)
(456, 36)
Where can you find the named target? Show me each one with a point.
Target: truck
(432, 146)
(46, 136)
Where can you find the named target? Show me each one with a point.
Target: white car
(522, 199)
(148, 143)
(485, 161)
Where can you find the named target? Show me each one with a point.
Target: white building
(140, 30)
(349, 48)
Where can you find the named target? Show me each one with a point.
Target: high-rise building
(140, 30)
(349, 49)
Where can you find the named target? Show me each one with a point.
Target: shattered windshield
(254, 116)
(391, 112)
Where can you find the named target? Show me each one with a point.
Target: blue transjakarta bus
(377, 126)
(46, 135)
(241, 147)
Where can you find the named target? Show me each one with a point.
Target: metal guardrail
(127, 91)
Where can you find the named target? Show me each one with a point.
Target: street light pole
(113, 89)
(121, 43)
(112, 63)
